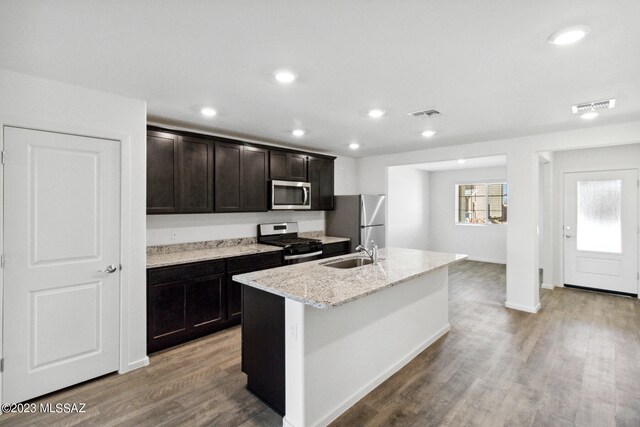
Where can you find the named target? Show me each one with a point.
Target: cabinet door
(297, 165)
(241, 265)
(228, 178)
(196, 173)
(278, 165)
(335, 249)
(254, 179)
(166, 315)
(321, 179)
(162, 173)
(205, 304)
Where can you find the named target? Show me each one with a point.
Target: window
(484, 203)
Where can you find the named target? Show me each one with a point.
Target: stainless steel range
(285, 234)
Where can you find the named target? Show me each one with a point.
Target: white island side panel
(335, 357)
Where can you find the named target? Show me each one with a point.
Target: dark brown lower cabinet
(335, 249)
(192, 300)
(184, 302)
(242, 265)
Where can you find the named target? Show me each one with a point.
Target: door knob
(109, 269)
(568, 236)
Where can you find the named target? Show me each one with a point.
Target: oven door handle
(309, 255)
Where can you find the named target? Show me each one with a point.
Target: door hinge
(2, 261)
(1, 365)
(2, 156)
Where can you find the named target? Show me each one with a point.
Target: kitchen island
(316, 339)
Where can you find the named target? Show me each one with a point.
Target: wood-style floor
(577, 362)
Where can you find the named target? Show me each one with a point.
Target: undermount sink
(349, 263)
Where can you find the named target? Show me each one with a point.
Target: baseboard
(547, 286)
(520, 307)
(366, 389)
(136, 365)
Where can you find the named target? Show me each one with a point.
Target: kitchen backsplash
(177, 229)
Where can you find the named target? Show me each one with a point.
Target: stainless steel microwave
(290, 195)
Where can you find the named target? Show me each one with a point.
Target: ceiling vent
(593, 106)
(425, 113)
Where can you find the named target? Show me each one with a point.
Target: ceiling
(486, 66)
(469, 163)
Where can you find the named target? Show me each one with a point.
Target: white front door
(601, 230)
(62, 232)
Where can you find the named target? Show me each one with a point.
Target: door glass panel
(599, 227)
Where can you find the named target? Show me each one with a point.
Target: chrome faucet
(373, 253)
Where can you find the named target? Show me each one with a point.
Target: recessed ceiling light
(285, 76)
(461, 161)
(298, 132)
(208, 112)
(428, 133)
(354, 146)
(590, 115)
(569, 35)
(375, 113)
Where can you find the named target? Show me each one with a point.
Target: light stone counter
(327, 240)
(187, 256)
(314, 284)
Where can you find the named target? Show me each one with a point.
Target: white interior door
(62, 231)
(601, 230)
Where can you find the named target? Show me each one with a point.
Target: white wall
(481, 242)
(522, 175)
(345, 176)
(408, 208)
(45, 104)
(609, 158)
(171, 229)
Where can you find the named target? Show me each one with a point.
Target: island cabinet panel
(335, 249)
(179, 174)
(241, 265)
(321, 179)
(287, 166)
(162, 173)
(263, 346)
(240, 178)
(184, 302)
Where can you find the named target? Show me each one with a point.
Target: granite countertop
(314, 284)
(326, 240)
(184, 257)
(184, 253)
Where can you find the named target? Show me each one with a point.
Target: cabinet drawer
(334, 249)
(254, 262)
(184, 272)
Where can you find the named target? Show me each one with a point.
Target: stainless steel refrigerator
(360, 217)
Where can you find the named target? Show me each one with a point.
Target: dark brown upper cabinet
(240, 178)
(195, 173)
(179, 174)
(287, 166)
(162, 173)
(195, 158)
(321, 179)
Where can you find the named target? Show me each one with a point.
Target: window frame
(486, 183)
